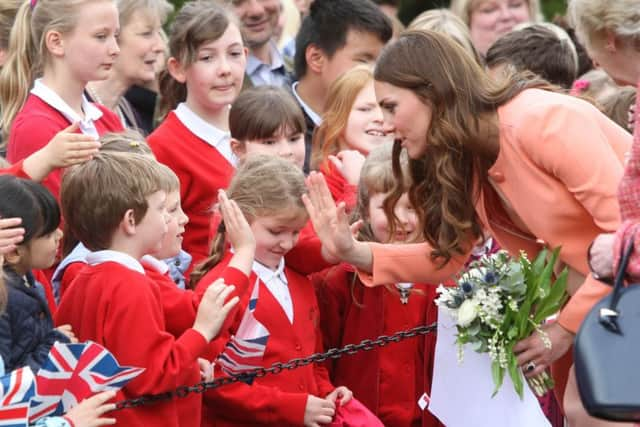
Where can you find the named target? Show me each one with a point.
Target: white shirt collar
(155, 264)
(99, 257)
(315, 117)
(266, 274)
(213, 136)
(91, 112)
(78, 254)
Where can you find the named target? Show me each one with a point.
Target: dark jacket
(26, 327)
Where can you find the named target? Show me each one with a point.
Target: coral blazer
(559, 166)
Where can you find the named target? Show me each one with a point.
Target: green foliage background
(410, 8)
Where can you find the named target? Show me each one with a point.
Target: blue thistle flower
(491, 278)
(467, 288)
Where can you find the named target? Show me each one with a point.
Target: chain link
(276, 368)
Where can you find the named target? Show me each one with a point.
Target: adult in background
(258, 24)
(142, 46)
(489, 19)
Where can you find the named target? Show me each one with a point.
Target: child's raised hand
(67, 331)
(10, 234)
(238, 233)
(341, 392)
(213, 310)
(318, 411)
(237, 228)
(349, 163)
(89, 412)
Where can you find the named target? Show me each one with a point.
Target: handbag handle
(609, 315)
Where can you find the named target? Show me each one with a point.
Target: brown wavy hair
(463, 137)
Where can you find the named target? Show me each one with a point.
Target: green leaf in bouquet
(474, 329)
(476, 346)
(512, 333)
(515, 374)
(543, 281)
(523, 318)
(555, 300)
(497, 372)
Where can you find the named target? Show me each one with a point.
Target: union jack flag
(17, 387)
(14, 415)
(16, 391)
(73, 372)
(245, 350)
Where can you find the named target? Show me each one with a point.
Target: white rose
(467, 313)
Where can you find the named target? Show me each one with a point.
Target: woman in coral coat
(531, 167)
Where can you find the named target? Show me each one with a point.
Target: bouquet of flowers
(499, 301)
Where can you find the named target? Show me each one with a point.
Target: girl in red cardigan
(205, 74)
(389, 380)
(56, 48)
(351, 127)
(278, 315)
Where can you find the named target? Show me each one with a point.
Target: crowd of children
(191, 252)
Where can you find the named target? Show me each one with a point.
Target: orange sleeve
(409, 263)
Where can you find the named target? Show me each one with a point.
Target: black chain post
(276, 368)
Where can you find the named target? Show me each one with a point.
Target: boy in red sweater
(115, 205)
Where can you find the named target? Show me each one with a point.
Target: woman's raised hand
(329, 221)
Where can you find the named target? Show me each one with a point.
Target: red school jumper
(16, 170)
(37, 123)
(340, 189)
(120, 308)
(202, 171)
(278, 400)
(389, 380)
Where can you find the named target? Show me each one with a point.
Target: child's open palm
(238, 233)
(213, 310)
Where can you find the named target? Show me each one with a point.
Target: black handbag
(607, 351)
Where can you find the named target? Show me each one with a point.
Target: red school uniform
(16, 170)
(43, 115)
(390, 379)
(201, 156)
(274, 399)
(113, 303)
(340, 189)
(180, 306)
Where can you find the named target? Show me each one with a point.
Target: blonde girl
(55, 48)
(279, 315)
(204, 76)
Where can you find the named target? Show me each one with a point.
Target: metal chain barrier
(276, 368)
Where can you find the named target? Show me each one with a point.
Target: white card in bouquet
(461, 392)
